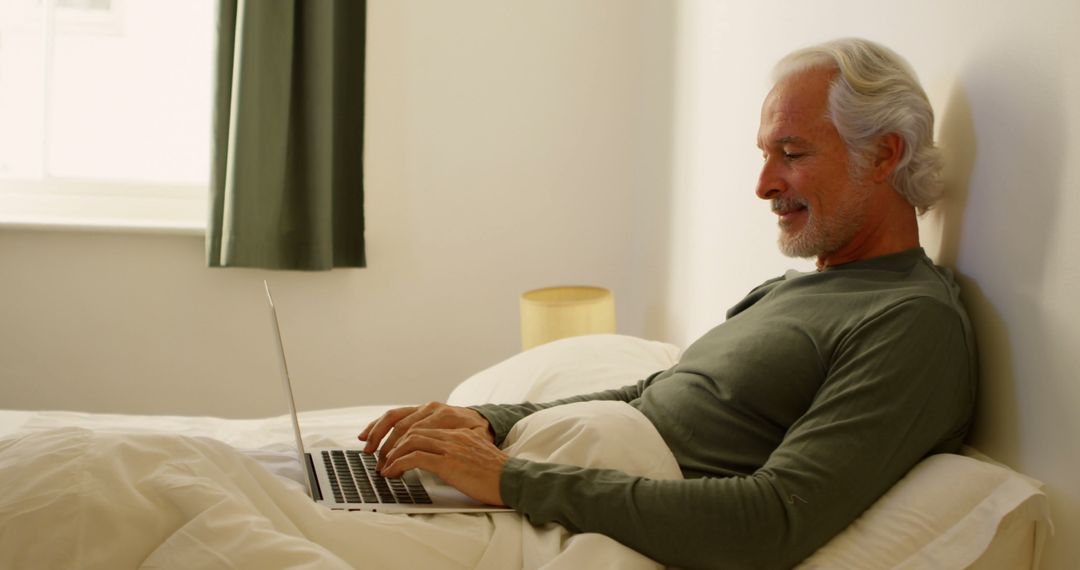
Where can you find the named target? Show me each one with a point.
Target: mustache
(788, 204)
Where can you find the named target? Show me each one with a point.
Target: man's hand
(465, 458)
(456, 444)
(430, 415)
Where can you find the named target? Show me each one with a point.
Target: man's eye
(793, 155)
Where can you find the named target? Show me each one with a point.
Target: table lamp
(557, 312)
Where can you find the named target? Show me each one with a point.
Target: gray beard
(825, 235)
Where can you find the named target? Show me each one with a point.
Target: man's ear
(890, 147)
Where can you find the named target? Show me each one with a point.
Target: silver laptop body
(345, 479)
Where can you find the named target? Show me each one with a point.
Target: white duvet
(77, 498)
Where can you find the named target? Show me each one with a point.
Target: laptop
(346, 479)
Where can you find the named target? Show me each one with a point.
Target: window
(105, 112)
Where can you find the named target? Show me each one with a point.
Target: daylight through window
(106, 102)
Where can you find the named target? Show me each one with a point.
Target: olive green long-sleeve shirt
(817, 394)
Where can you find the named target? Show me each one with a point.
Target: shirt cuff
(500, 424)
(510, 481)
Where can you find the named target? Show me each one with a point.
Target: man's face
(807, 175)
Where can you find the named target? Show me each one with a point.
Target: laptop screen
(284, 367)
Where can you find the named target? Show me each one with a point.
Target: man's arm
(502, 417)
(898, 388)
(491, 421)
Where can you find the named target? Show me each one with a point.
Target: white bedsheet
(267, 440)
(117, 497)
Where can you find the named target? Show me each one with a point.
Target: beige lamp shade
(559, 312)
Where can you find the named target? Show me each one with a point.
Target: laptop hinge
(315, 490)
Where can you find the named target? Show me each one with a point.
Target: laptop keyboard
(354, 479)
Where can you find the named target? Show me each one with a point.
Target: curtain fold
(286, 190)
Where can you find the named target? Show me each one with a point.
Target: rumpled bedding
(81, 498)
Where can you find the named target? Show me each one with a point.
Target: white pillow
(949, 511)
(566, 367)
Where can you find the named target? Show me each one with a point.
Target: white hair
(875, 92)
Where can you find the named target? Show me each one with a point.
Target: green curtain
(286, 191)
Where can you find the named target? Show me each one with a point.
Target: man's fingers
(435, 441)
(374, 433)
(432, 445)
(426, 415)
(397, 423)
(365, 434)
(425, 460)
(403, 428)
(418, 439)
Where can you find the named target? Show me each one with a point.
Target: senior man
(819, 391)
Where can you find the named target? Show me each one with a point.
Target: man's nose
(770, 184)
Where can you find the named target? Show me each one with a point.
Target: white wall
(509, 147)
(1004, 81)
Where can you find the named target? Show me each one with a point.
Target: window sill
(104, 225)
(104, 208)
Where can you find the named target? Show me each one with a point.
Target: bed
(115, 491)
